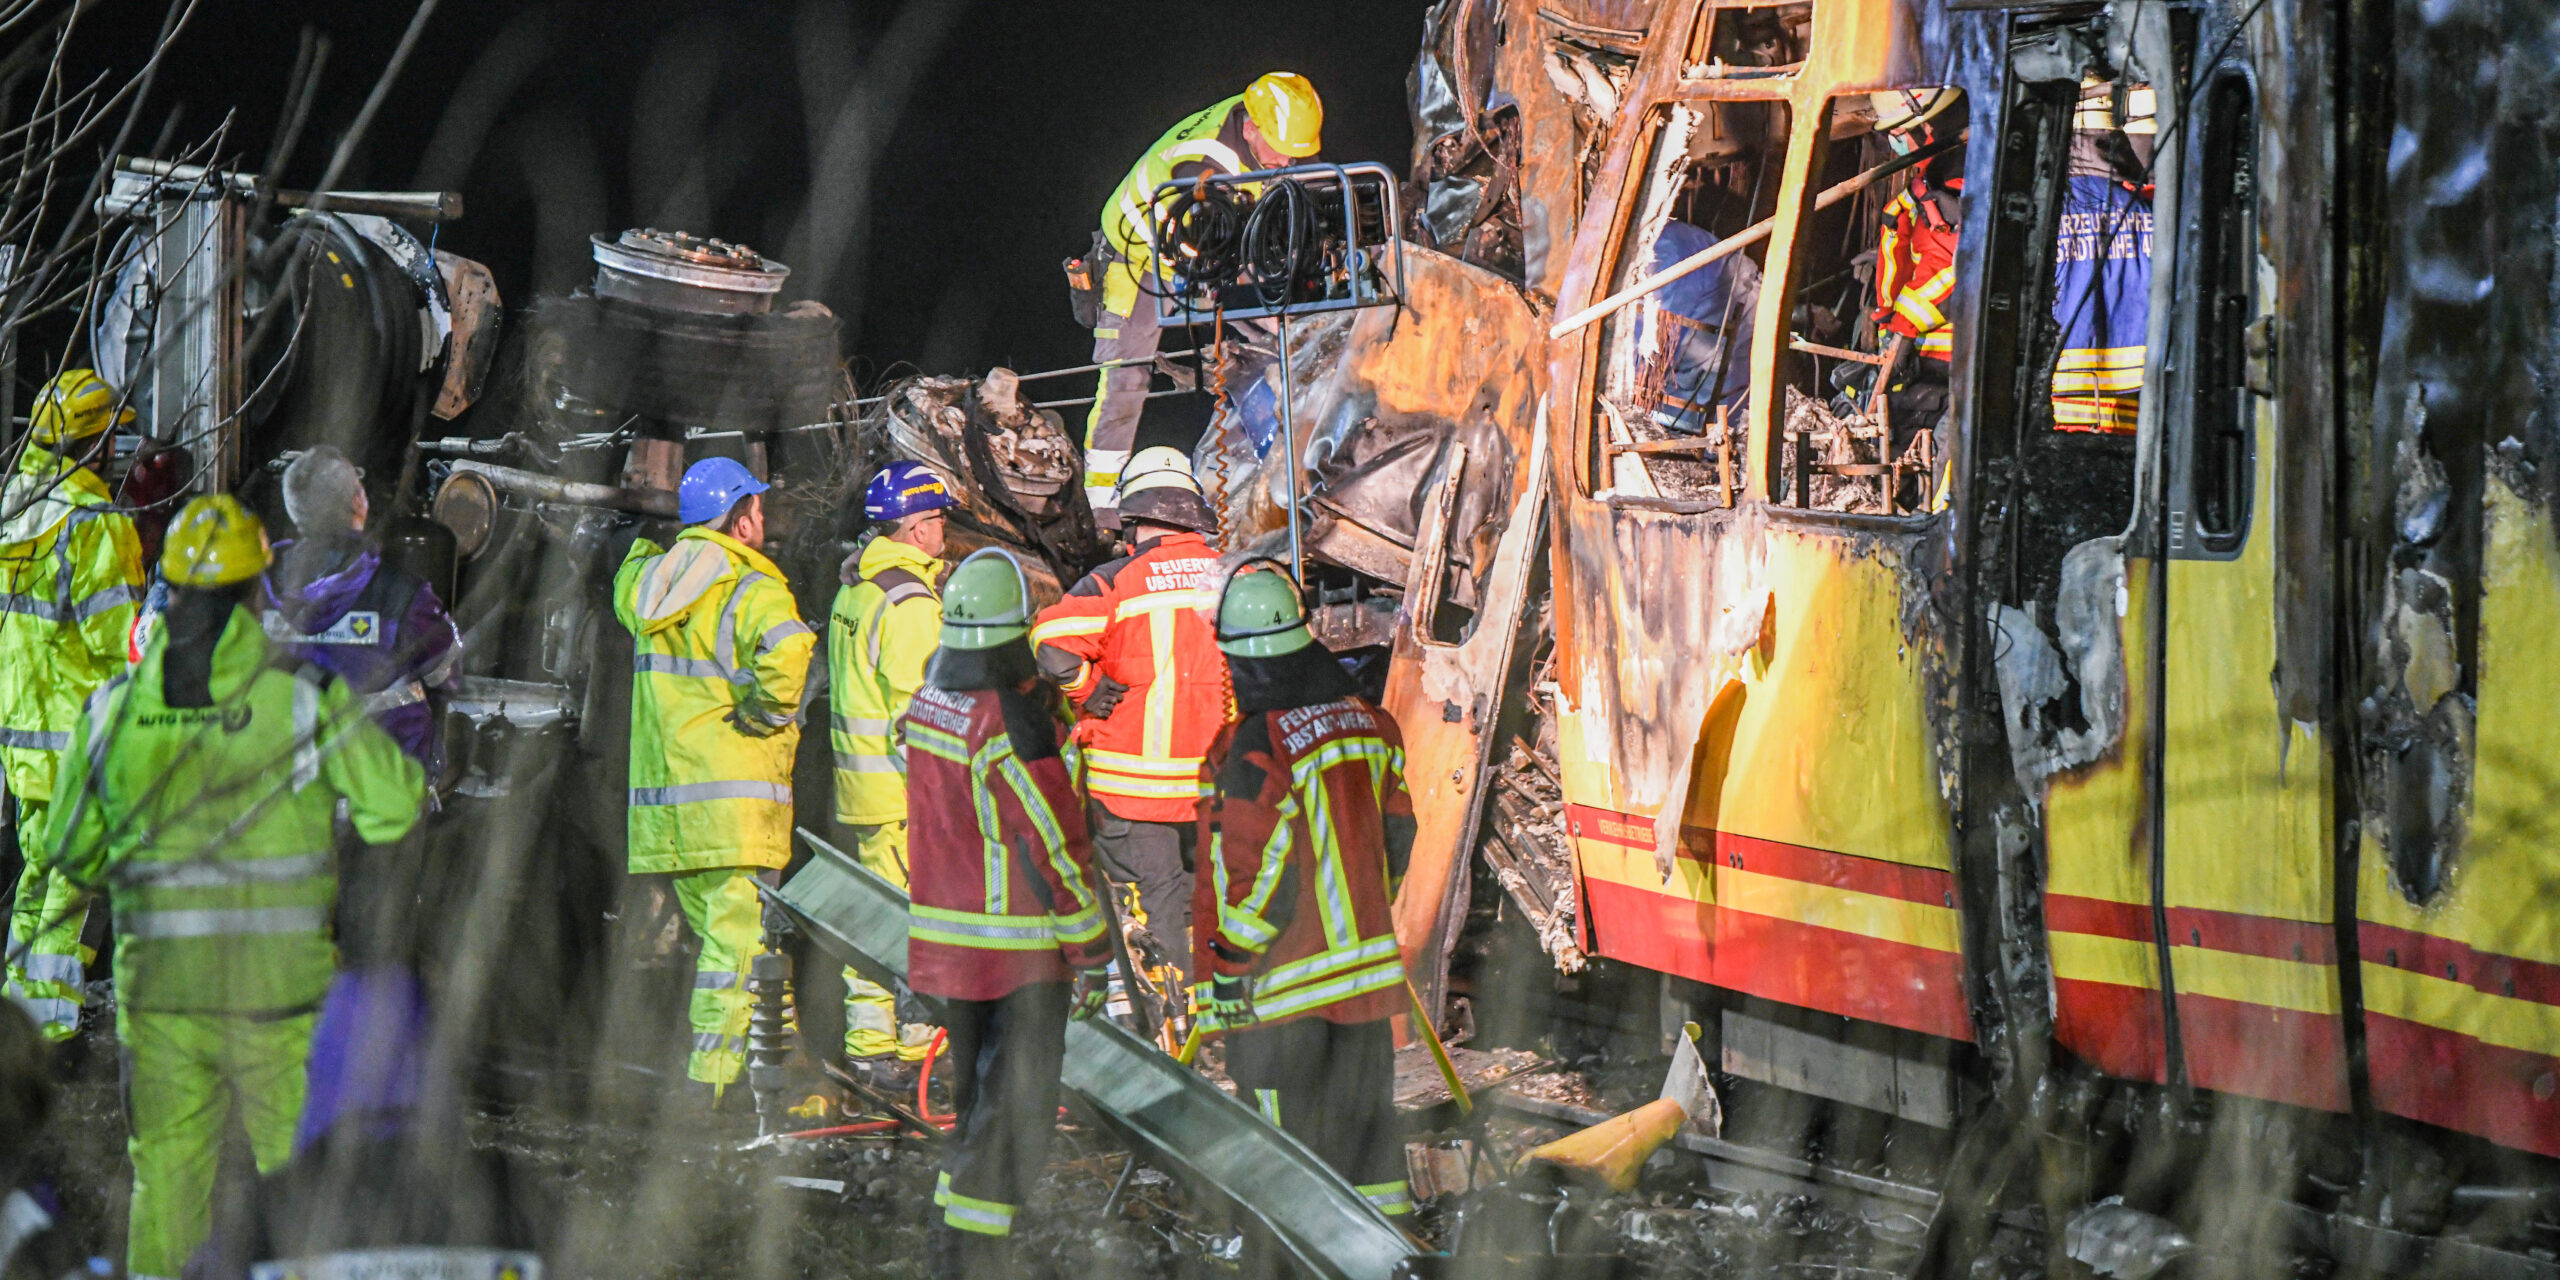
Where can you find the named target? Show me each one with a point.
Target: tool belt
(1084, 280)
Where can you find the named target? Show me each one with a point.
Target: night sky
(561, 118)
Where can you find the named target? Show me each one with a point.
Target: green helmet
(987, 602)
(1259, 615)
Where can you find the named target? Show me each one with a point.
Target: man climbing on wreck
(1276, 121)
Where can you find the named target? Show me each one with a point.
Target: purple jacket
(380, 630)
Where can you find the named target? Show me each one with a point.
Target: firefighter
(1309, 827)
(201, 789)
(1276, 121)
(885, 625)
(2102, 260)
(385, 633)
(722, 657)
(1131, 645)
(1006, 921)
(1916, 254)
(71, 571)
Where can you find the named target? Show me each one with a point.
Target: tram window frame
(2220, 437)
(1704, 60)
(1612, 364)
(1848, 125)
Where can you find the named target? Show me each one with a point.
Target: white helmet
(1158, 466)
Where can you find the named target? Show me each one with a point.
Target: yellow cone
(1612, 1152)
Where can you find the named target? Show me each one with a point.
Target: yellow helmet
(215, 542)
(1285, 107)
(76, 405)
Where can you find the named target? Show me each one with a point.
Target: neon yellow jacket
(1128, 222)
(70, 580)
(885, 625)
(211, 826)
(715, 702)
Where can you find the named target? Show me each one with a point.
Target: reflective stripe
(1317, 995)
(889, 599)
(222, 922)
(696, 792)
(103, 599)
(714, 981)
(854, 762)
(724, 644)
(36, 739)
(779, 632)
(1088, 624)
(32, 606)
(714, 1042)
(862, 724)
(667, 664)
(407, 693)
(1103, 783)
(1268, 1102)
(1282, 977)
(217, 873)
(54, 1011)
(982, 931)
(966, 1213)
(1391, 1198)
(44, 967)
(306, 729)
(1167, 601)
(1186, 767)
(937, 743)
(1245, 922)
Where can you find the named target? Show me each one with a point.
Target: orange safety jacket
(1308, 828)
(1143, 621)
(1000, 881)
(1916, 271)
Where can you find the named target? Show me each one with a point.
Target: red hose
(842, 1130)
(924, 1080)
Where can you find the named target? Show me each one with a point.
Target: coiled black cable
(1283, 243)
(1199, 235)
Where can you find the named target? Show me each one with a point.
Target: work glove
(1230, 1001)
(1106, 694)
(1092, 989)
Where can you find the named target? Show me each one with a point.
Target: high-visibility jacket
(1308, 827)
(211, 826)
(1002, 891)
(70, 580)
(1210, 140)
(1143, 621)
(1916, 271)
(885, 625)
(2102, 301)
(715, 702)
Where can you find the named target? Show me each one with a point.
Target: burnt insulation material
(730, 373)
(2462, 398)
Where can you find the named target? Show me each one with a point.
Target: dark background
(563, 118)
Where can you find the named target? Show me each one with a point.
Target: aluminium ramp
(1179, 1118)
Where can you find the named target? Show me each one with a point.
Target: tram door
(2242, 790)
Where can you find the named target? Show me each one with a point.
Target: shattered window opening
(1748, 40)
(1877, 284)
(1676, 365)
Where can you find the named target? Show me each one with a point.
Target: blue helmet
(711, 487)
(902, 489)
